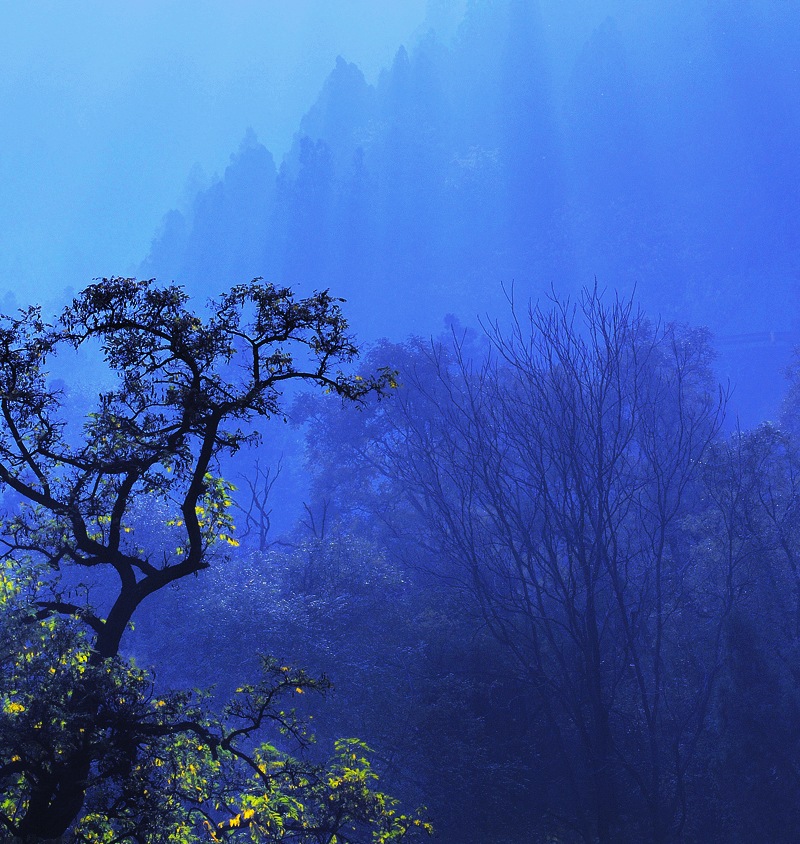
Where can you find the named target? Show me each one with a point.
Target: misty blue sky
(108, 107)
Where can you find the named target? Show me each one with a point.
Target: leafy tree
(87, 747)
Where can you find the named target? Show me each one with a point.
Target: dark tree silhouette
(83, 736)
(557, 477)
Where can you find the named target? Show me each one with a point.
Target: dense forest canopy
(544, 579)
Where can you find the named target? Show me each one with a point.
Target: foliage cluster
(167, 768)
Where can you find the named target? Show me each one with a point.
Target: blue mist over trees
(546, 542)
(654, 150)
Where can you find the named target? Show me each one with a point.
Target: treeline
(553, 594)
(653, 149)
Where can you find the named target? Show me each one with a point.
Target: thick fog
(415, 159)
(115, 112)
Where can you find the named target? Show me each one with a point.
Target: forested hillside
(650, 150)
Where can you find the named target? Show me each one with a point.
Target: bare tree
(556, 476)
(258, 512)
